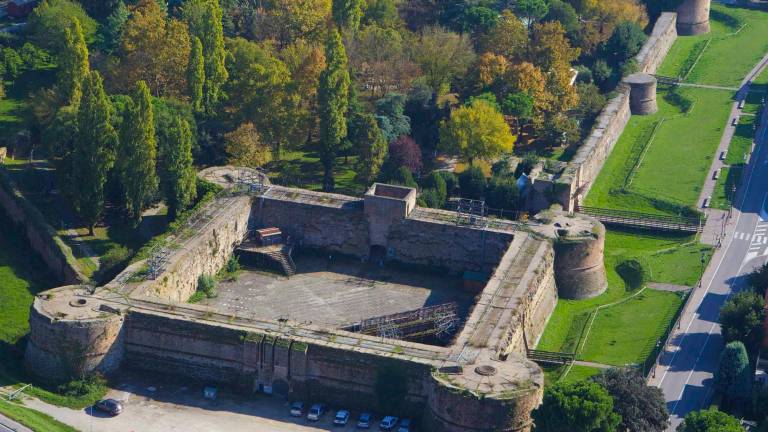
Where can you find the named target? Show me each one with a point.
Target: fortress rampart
(479, 381)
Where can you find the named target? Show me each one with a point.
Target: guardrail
(632, 219)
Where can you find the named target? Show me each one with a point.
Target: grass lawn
(729, 177)
(754, 101)
(553, 375)
(667, 258)
(302, 168)
(34, 420)
(741, 144)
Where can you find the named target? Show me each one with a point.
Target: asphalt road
(686, 369)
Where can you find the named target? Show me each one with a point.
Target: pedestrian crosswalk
(758, 239)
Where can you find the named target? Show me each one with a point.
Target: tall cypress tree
(196, 74)
(73, 64)
(333, 101)
(370, 145)
(137, 152)
(348, 13)
(94, 151)
(178, 174)
(204, 19)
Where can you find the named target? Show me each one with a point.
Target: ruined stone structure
(570, 184)
(480, 381)
(693, 17)
(642, 94)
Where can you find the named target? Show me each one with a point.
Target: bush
(632, 273)
(90, 385)
(472, 183)
(233, 264)
(404, 177)
(113, 261)
(503, 193)
(431, 198)
(436, 182)
(527, 164)
(197, 297)
(207, 285)
(451, 182)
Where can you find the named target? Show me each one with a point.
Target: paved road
(8, 425)
(686, 368)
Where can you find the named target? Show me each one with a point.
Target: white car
(388, 423)
(315, 412)
(342, 417)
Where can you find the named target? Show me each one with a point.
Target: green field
(303, 169)
(34, 420)
(667, 258)
(563, 374)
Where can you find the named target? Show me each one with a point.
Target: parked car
(364, 421)
(297, 409)
(110, 406)
(405, 425)
(388, 423)
(316, 411)
(342, 417)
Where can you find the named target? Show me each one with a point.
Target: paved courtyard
(336, 292)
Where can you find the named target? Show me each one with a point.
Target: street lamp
(703, 261)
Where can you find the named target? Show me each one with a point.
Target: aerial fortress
(479, 378)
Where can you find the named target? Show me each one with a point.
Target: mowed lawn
(671, 259)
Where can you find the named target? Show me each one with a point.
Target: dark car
(364, 421)
(388, 423)
(297, 409)
(110, 406)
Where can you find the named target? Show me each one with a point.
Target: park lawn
(679, 157)
(619, 338)
(732, 53)
(303, 169)
(674, 259)
(729, 177)
(741, 144)
(37, 421)
(754, 101)
(554, 374)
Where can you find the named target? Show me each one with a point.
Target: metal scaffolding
(440, 321)
(471, 212)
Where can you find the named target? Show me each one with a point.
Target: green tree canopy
(51, 18)
(137, 152)
(177, 171)
(196, 75)
(477, 131)
(709, 420)
(348, 13)
(642, 407)
(73, 64)
(741, 319)
(204, 19)
(369, 144)
(333, 101)
(94, 151)
(583, 406)
(733, 377)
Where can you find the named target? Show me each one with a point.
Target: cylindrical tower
(579, 267)
(642, 96)
(693, 17)
(498, 396)
(72, 335)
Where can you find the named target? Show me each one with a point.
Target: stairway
(276, 257)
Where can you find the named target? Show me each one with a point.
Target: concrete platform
(336, 292)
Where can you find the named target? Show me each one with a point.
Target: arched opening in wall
(280, 388)
(377, 254)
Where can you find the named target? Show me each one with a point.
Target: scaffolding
(250, 181)
(471, 212)
(440, 321)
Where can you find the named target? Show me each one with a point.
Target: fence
(649, 366)
(633, 219)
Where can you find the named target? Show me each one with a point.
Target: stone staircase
(277, 258)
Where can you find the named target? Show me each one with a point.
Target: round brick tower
(642, 96)
(579, 267)
(693, 17)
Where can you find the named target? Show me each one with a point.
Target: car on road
(316, 411)
(388, 423)
(405, 425)
(364, 421)
(342, 417)
(297, 409)
(110, 406)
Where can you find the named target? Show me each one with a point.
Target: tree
(583, 406)
(380, 61)
(642, 407)
(114, 25)
(405, 152)
(244, 147)
(94, 152)
(709, 420)
(442, 55)
(436, 182)
(287, 21)
(625, 42)
(155, 50)
(476, 131)
(741, 319)
(531, 10)
(348, 13)
(565, 14)
(333, 100)
(369, 144)
(509, 37)
(403, 176)
(472, 183)
(503, 193)
(519, 105)
(196, 75)
(73, 65)
(758, 279)
(552, 52)
(204, 20)
(51, 18)
(137, 152)
(733, 378)
(390, 115)
(177, 173)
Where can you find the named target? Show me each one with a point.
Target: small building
(20, 8)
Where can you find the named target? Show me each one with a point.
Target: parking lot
(150, 406)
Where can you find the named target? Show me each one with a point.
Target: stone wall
(581, 172)
(206, 254)
(41, 237)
